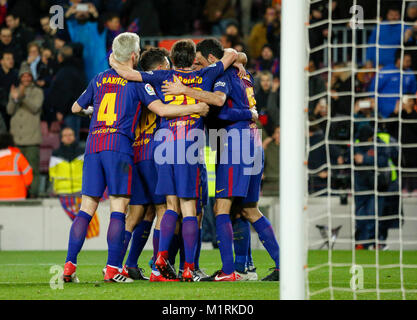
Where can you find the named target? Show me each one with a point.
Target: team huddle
(146, 145)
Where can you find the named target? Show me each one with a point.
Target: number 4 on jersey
(106, 110)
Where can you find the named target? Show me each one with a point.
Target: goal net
(361, 150)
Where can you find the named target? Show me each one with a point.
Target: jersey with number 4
(117, 106)
(201, 80)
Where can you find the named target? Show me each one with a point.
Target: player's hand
(173, 87)
(242, 71)
(203, 108)
(255, 115)
(123, 71)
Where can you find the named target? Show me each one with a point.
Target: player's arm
(83, 105)
(77, 109)
(233, 114)
(229, 57)
(124, 71)
(240, 63)
(174, 111)
(177, 88)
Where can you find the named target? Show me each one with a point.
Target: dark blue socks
(241, 239)
(115, 238)
(139, 238)
(224, 233)
(266, 235)
(77, 235)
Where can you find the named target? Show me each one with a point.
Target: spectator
(16, 173)
(316, 85)
(270, 186)
(21, 35)
(46, 71)
(83, 28)
(33, 59)
(114, 28)
(267, 101)
(66, 87)
(48, 32)
(25, 106)
(7, 44)
(267, 61)
(389, 34)
(341, 104)
(228, 41)
(219, 14)
(267, 31)
(8, 77)
(61, 38)
(411, 13)
(389, 83)
(232, 29)
(409, 136)
(66, 165)
(387, 181)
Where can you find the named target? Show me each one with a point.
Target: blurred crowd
(363, 110)
(45, 69)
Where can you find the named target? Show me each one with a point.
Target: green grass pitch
(26, 275)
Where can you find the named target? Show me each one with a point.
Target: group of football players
(142, 145)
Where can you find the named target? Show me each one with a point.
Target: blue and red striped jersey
(144, 134)
(117, 106)
(202, 79)
(240, 98)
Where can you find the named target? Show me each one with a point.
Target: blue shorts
(143, 188)
(179, 179)
(237, 177)
(107, 169)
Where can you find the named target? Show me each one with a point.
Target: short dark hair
(183, 53)
(2, 53)
(6, 140)
(110, 16)
(13, 14)
(152, 58)
(210, 46)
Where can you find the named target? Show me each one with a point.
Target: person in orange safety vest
(15, 172)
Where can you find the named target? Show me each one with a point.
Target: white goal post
(292, 149)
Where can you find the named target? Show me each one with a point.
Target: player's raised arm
(125, 71)
(240, 64)
(177, 88)
(173, 111)
(229, 57)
